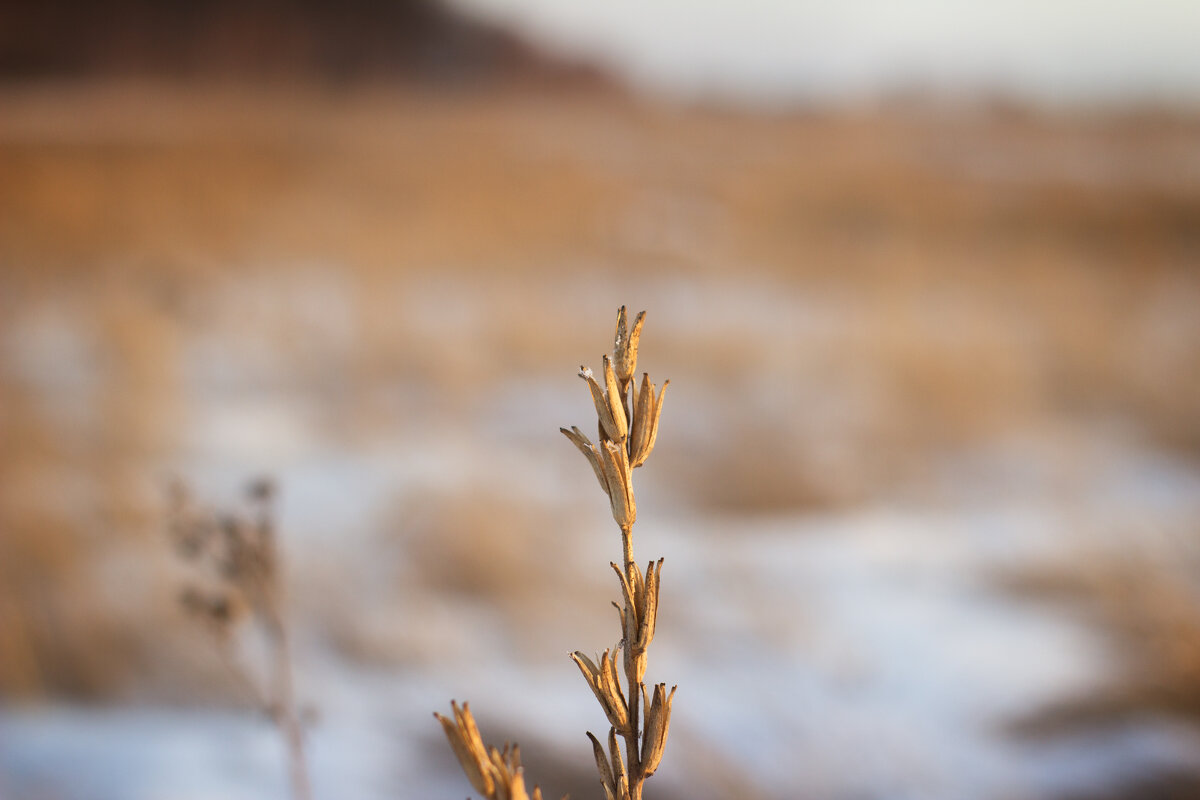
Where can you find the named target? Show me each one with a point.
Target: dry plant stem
(239, 555)
(628, 426)
(627, 417)
(627, 546)
(632, 751)
(284, 704)
(288, 718)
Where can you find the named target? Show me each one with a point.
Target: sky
(1053, 51)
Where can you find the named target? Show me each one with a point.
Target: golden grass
(972, 277)
(1149, 603)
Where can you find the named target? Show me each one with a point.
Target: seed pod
(657, 724)
(618, 763)
(589, 451)
(646, 412)
(606, 775)
(628, 611)
(620, 485)
(649, 616)
(655, 415)
(641, 601)
(608, 424)
(467, 745)
(639, 423)
(625, 347)
(616, 402)
(606, 686)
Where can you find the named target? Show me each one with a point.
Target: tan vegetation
(627, 421)
(860, 299)
(1147, 600)
(237, 557)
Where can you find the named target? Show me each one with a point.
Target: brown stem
(632, 752)
(288, 719)
(627, 545)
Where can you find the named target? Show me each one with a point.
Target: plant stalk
(288, 719)
(633, 760)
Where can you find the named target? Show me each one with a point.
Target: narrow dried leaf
(621, 616)
(619, 338)
(618, 708)
(466, 721)
(626, 350)
(606, 775)
(608, 693)
(613, 682)
(607, 424)
(643, 423)
(616, 402)
(467, 745)
(620, 489)
(650, 619)
(618, 764)
(653, 726)
(464, 756)
(499, 759)
(587, 667)
(626, 588)
(655, 417)
(639, 589)
(657, 729)
(589, 451)
(516, 786)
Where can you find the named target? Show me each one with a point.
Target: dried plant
(239, 579)
(496, 774)
(628, 416)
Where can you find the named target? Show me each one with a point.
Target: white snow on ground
(853, 655)
(859, 654)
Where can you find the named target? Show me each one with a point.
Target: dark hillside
(411, 40)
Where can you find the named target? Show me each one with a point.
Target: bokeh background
(925, 278)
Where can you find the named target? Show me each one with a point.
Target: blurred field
(381, 297)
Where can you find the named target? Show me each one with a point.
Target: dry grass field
(986, 319)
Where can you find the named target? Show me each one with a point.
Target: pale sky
(1051, 51)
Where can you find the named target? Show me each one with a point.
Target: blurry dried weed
(1146, 599)
(627, 416)
(236, 558)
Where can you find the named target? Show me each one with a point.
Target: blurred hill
(409, 40)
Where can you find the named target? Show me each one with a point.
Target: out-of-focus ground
(927, 482)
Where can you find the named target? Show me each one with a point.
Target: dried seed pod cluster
(495, 773)
(639, 613)
(627, 421)
(605, 683)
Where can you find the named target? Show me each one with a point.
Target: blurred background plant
(925, 279)
(238, 574)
